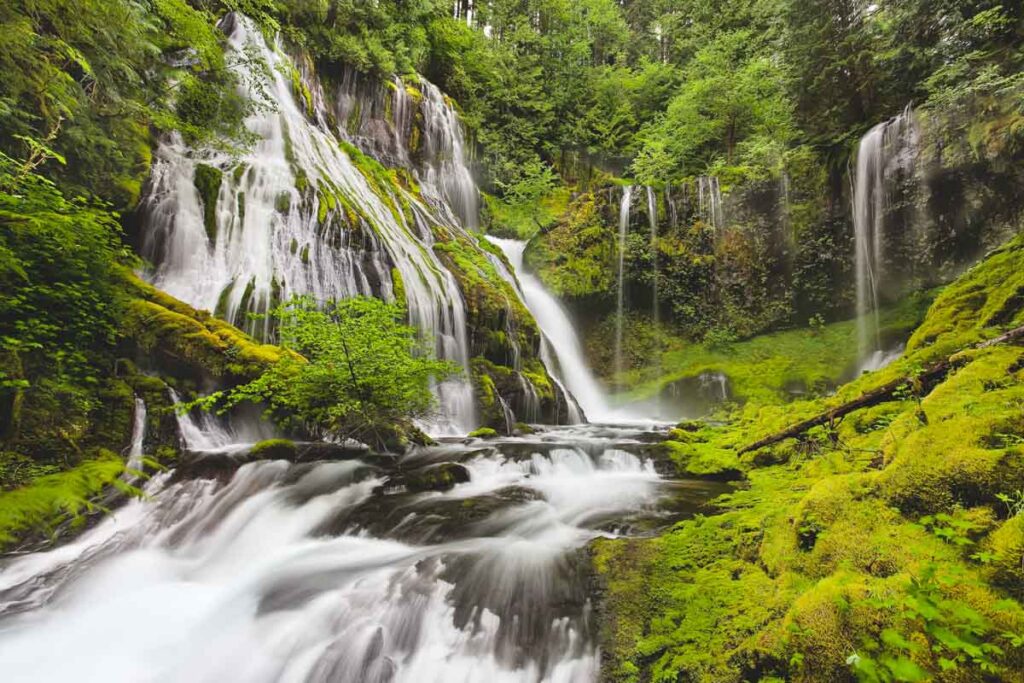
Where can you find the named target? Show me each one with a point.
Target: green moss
(397, 285)
(989, 297)
(302, 92)
(701, 459)
(483, 433)
(55, 498)
(778, 366)
(207, 180)
(158, 323)
(274, 449)
(578, 256)
(523, 222)
(825, 547)
(283, 202)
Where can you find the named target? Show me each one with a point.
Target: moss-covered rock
(207, 180)
(274, 449)
(841, 532)
(190, 340)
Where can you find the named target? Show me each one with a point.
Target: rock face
(354, 187)
(754, 255)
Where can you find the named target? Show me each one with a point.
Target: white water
(709, 201)
(571, 367)
(134, 462)
(264, 579)
(210, 434)
(620, 302)
(271, 243)
(652, 219)
(885, 148)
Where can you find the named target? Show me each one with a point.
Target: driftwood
(884, 393)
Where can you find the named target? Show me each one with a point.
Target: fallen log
(882, 394)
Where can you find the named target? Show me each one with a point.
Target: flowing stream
(349, 570)
(460, 562)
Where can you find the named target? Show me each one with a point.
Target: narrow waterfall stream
(620, 302)
(346, 570)
(652, 220)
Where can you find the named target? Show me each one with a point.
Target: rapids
(350, 570)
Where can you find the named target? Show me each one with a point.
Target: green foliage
(61, 300)
(483, 433)
(360, 373)
(88, 79)
(576, 258)
(52, 499)
(731, 117)
(956, 636)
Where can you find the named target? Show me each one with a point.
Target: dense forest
(770, 249)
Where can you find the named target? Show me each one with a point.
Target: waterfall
(570, 366)
(208, 434)
(652, 217)
(134, 462)
(444, 150)
(709, 201)
(620, 308)
(886, 149)
(296, 215)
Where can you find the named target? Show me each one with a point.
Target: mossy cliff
(504, 338)
(883, 546)
(742, 256)
(60, 458)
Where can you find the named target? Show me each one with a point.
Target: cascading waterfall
(296, 216)
(569, 365)
(529, 407)
(205, 435)
(444, 149)
(709, 201)
(620, 303)
(885, 149)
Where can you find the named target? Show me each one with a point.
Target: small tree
(358, 372)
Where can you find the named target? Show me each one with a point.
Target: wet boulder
(440, 477)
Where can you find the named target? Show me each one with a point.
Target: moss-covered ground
(773, 367)
(884, 546)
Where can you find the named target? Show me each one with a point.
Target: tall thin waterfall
(885, 149)
(295, 215)
(134, 461)
(709, 201)
(652, 217)
(620, 312)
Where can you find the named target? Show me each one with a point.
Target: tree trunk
(882, 394)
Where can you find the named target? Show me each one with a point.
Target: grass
(771, 368)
